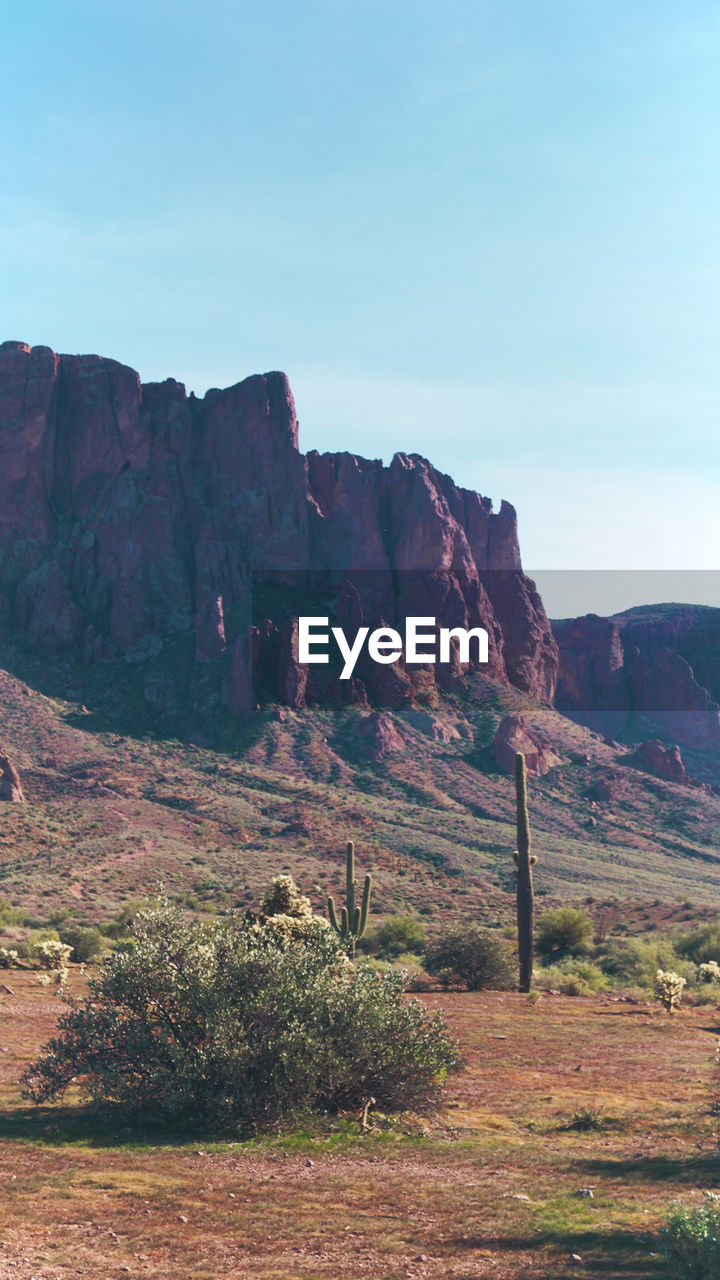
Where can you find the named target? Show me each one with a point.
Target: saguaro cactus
(524, 862)
(353, 920)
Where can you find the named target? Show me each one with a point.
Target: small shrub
(573, 977)
(27, 947)
(8, 957)
(238, 1024)
(85, 943)
(690, 1240)
(709, 972)
(52, 954)
(563, 931)
(473, 957)
(590, 1119)
(398, 935)
(668, 989)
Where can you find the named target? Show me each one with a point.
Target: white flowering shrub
(237, 1024)
(52, 955)
(668, 989)
(286, 914)
(8, 957)
(709, 972)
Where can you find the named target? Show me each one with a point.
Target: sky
(485, 231)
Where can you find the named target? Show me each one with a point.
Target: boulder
(10, 784)
(664, 761)
(515, 735)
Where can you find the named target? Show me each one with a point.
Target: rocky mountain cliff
(132, 514)
(651, 668)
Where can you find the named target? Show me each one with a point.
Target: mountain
(155, 552)
(133, 515)
(650, 670)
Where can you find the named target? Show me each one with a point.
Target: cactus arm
(356, 923)
(365, 909)
(344, 923)
(332, 916)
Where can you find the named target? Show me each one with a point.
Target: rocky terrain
(652, 671)
(133, 514)
(155, 551)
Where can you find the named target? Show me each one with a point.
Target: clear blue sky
(487, 232)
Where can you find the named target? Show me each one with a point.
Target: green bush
(700, 944)
(466, 955)
(563, 931)
(27, 947)
(637, 960)
(572, 977)
(397, 935)
(87, 943)
(233, 1023)
(12, 916)
(690, 1240)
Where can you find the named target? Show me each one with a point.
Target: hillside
(114, 808)
(156, 551)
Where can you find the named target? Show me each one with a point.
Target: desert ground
(559, 1097)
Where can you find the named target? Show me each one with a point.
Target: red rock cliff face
(133, 513)
(657, 665)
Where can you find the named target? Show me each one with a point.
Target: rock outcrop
(132, 514)
(656, 667)
(664, 761)
(513, 735)
(10, 784)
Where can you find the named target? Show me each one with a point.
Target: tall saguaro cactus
(524, 862)
(353, 920)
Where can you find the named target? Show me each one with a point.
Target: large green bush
(690, 1240)
(701, 944)
(396, 936)
(239, 1023)
(467, 955)
(87, 942)
(563, 931)
(636, 961)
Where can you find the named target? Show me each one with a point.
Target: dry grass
(431, 1199)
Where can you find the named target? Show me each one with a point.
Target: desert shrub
(563, 931)
(637, 960)
(700, 944)
(233, 1023)
(588, 1119)
(709, 972)
(473, 957)
(690, 1240)
(27, 947)
(85, 943)
(572, 977)
(668, 989)
(397, 935)
(8, 956)
(51, 954)
(120, 926)
(12, 916)
(59, 916)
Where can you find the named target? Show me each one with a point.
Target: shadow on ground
(612, 1255)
